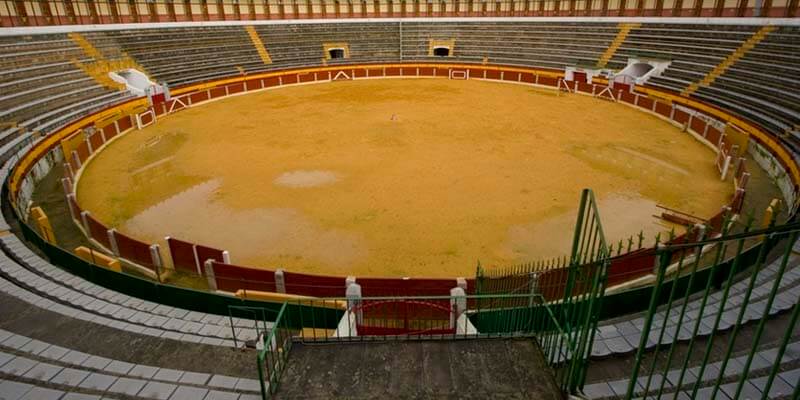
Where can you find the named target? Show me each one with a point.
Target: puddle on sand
(306, 179)
(280, 234)
(622, 215)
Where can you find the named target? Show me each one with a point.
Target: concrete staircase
(258, 44)
(730, 60)
(624, 29)
(103, 64)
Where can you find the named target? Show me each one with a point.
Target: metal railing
(274, 356)
(745, 301)
(560, 334)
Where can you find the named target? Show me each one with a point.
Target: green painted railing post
(762, 323)
(787, 336)
(664, 260)
(762, 254)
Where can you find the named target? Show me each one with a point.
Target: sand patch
(306, 179)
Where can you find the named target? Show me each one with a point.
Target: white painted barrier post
(155, 255)
(533, 282)
(462, 283)
(112, 238)
(226, 257)
(353, 294)
(280, 281)
(85, 223)
(76, 158)
(349, 281)
(210, 277)
(458, 305)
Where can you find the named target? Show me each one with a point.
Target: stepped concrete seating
(41, 86)
(53, 288)
(762, 86)
(54, 370)
(694, 49)
(623, 334)
(183, 55)
(180, 56)
(296, 45)
(763, 360)
(546, 45)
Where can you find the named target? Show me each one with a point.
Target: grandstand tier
(722, 308)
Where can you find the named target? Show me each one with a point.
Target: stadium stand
(42, 88)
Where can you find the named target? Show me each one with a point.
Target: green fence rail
(274, 356)
(558, 334)
(709, 291)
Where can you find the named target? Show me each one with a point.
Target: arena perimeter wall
(227, 277)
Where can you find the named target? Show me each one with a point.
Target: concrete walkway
(471, 369)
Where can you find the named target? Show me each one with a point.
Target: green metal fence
(559, 333)
(720, 290)
(573, 286)
(274, 356)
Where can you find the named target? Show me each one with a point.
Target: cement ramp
(468, 369)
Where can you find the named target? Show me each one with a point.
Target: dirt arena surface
(400, 177)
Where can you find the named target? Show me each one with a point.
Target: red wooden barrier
(231, 278)
(698, 125)
(713, 135)
(182, 254)
(680, 116)
(134, 250)
(314, 285)
(83, 152)
(663, 109)
(645, 102)
(98, 231)
(96, 141)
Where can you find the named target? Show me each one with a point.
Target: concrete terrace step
(49, 294)
(44, 363)
(143, 310)
(623, 336)
(762, 362)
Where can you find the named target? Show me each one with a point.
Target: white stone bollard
(462, 283)
(349, 281)
(280, 281)
(112, 238)
(210, 277)
(353, 294)
(458, 305)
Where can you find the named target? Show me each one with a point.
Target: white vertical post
(353, 294)
(280, 281)
(67, 187)
(197, 263)
(68, 167)
(226, 257)
(77, 159)
(462, 283)
(350, 280)
(210, 277)
(66, 183)
(458, 305)
(112, 238)
(533, 282)
(85, 223)
(155, 256)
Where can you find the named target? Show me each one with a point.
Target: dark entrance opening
(441, 52)
(336, 53)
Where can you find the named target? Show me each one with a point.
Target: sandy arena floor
(397, 177)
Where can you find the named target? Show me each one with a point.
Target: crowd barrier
(221, 274)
